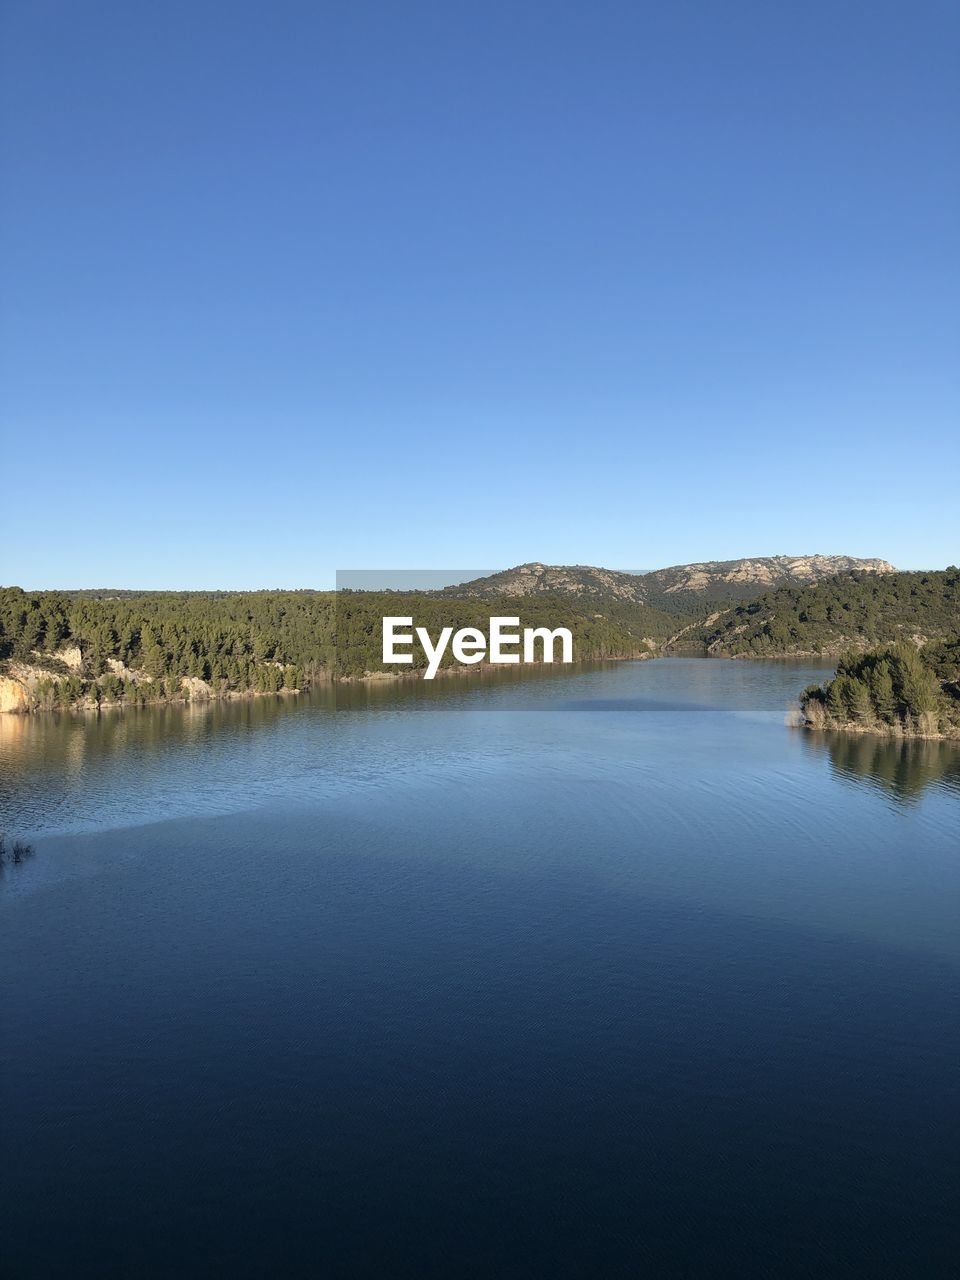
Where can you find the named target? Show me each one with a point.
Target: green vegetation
(854, 610)
(137, 647)
(600, 628)
(89, 648)
(895, 689)
(18, 852)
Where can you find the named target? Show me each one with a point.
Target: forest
(850, 611)
(136, 647)
(88, 648)
(139, 647)
(892, 689)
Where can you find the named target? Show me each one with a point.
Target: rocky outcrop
(196, 689)
(70, 656)
(13, 695)
(22, 684)
(537, 579)
(123, 672)
(720, 580)
(764, 572)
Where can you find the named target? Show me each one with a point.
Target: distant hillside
(62, 650)
(685, 588)
(537, 579)
(851, 611)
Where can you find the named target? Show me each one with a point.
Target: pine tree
(914, 682)
(881, 692)
(836, 700)
(857, 698)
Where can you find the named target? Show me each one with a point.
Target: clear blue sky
(294, 287)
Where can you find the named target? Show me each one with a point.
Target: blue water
(611, 973)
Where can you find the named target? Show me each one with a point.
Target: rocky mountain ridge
(677, 588)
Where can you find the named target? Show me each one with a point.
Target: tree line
(144, 646)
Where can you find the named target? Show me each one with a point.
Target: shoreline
(368, 678)
(478, 668)
(234, 695)
(887, 734)
(462, 671)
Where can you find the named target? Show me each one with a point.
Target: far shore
(478, 668)
(458, 671)
(369, 677)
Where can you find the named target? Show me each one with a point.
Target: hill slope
(714, 581)
(62, 649)
(679, 589)
(851, 611)
(536, 579)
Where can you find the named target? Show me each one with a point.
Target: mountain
(537, 579)
(678, 589)
(713, 581)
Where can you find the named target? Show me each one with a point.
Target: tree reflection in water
(902, 767)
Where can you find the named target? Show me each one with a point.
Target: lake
(603, 973)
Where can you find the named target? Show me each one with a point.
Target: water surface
(604, 973)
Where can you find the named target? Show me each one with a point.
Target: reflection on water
(901, 767)
(73, 771)
(519, 686)
(15, 853)
(673, 723)
(76, 735)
